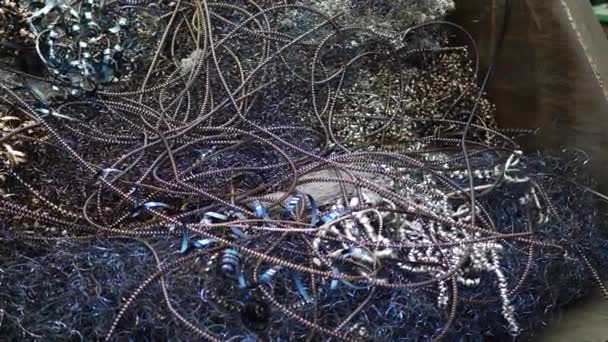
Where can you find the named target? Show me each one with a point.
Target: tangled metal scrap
(313, 180)
(84, 43)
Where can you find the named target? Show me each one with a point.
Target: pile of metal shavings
(13, 23)
(219, 194)
(388, 110)
(20, 134)
(86, 43)
(385, 15)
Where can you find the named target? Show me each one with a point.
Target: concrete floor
(583, 322)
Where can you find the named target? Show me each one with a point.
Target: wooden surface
(552, 75)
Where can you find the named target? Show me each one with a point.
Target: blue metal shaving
(203, 243)
(332, 215)
(267, 276)
(293, 202)
(108, 170)
(149, 205)
(242, 282)
(356, 251)
(314, 210)
(186, 246)
(231, 262)
(214, 215)
(334, 282)
(152, 205)
(260, 210)
(300, 287)
(239, 233)
(333, 285)
(104, 173)
(185, 241)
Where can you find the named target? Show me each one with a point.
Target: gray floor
(585, 322)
